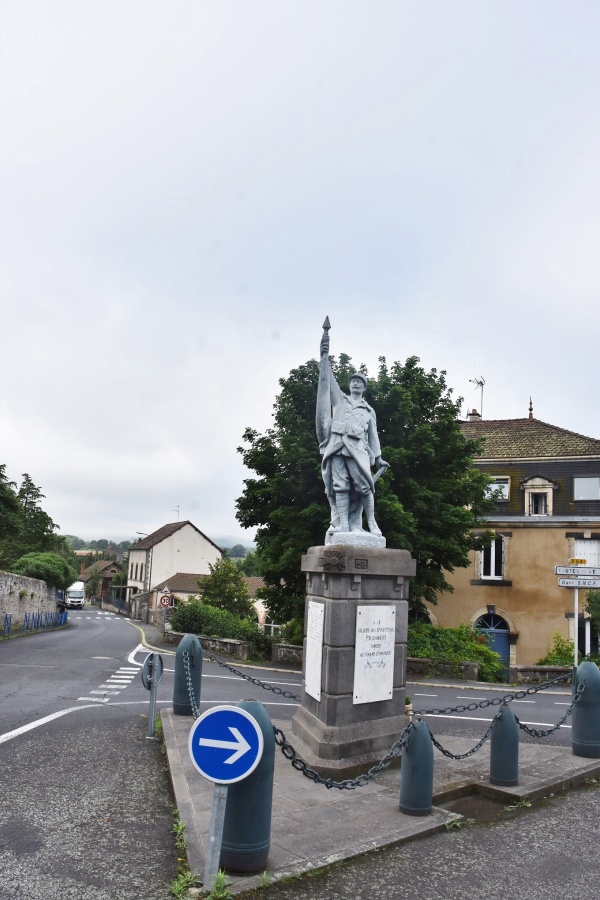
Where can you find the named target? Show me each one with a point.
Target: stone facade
(20, 595)
(337, 727)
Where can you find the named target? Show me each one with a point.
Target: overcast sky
(189, 188)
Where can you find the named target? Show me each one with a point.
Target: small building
(547, 481)
(98, 577)
(177, 547)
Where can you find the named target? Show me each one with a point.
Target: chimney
(473, 416)
(82, 567)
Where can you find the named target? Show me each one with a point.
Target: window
(538, 504)
(141, 571)
(538, 496)
(491, 563)
(501, 486)
(586, 489)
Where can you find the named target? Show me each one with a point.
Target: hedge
(200, 618)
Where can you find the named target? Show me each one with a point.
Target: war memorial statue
(356, 612)
(349, 444)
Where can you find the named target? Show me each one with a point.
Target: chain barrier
(287, 695)
(539, 732)
(189, 683)
(348, 784)
(398, 746)
(470, 752)
(496, 701)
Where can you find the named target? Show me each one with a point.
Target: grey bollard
(416, 774)
(247, 827)
(182, 702)
(585, 733)
(504, 748)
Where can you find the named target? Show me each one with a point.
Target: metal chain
(348, 784)
(263, 684)
(471, 752)
(496, 701)
(190, 686)
(539, 732)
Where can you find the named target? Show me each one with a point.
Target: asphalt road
(86, 809)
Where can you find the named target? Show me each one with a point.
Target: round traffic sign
(165, 599)
(225, 744)
(152, 670)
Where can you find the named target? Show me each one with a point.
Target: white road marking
(95, 699)
(139, 649)
(9, 735)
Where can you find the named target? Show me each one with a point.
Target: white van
(75, 596)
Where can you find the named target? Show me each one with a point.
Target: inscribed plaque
(314, 649)
(374, 654)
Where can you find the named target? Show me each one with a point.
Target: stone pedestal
(354, 669)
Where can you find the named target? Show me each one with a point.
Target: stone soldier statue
(349, 444)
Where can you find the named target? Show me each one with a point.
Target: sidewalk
(313, 827)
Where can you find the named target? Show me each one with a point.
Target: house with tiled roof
(98, 577)
(176, 547)
(547, 483)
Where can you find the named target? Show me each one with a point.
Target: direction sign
(578, 570)
(579, 582)
(225, 744)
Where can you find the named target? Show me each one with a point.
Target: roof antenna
(479, 382)
(175, 509)
(530, 409)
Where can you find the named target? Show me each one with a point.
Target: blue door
(496, 630)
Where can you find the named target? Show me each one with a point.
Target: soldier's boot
(368, 502)
(342, 501)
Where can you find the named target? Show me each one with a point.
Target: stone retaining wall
(536, 674)
(226, 646)
(20, 595)
(466, 670)
(287, 653)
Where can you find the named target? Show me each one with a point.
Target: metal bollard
(504, 748)
(188, 662)
(247, 827)
(585, 734)
(416, 774)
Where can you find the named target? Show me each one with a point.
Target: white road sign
(579, 582)
(578, 570)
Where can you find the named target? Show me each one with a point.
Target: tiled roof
(187, 583)
(184, 582)
(528, 439)
(254, 583)
(166, 531)
(101, 566)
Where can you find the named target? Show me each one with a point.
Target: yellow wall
(534, 606)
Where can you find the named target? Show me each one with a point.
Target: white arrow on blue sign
(225, 744)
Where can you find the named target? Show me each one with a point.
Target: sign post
(577, 568)
(225, 745)
(151, 674)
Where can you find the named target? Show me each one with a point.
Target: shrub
(292, 632)
(562, 652)
(453, 645)
(48, 567)
(200, 618)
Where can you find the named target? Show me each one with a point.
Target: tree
(10, 516)
(48, 567)
(226, 588)
(427, 502)
(250, 564)
(237, 551)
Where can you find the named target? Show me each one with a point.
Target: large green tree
(427, 502)
(226, 588)
(48, 567)
(24, 526)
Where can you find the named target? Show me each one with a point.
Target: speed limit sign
(166, 599)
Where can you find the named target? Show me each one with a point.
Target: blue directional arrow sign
(225, 744)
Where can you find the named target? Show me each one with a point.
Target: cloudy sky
(189, 187)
